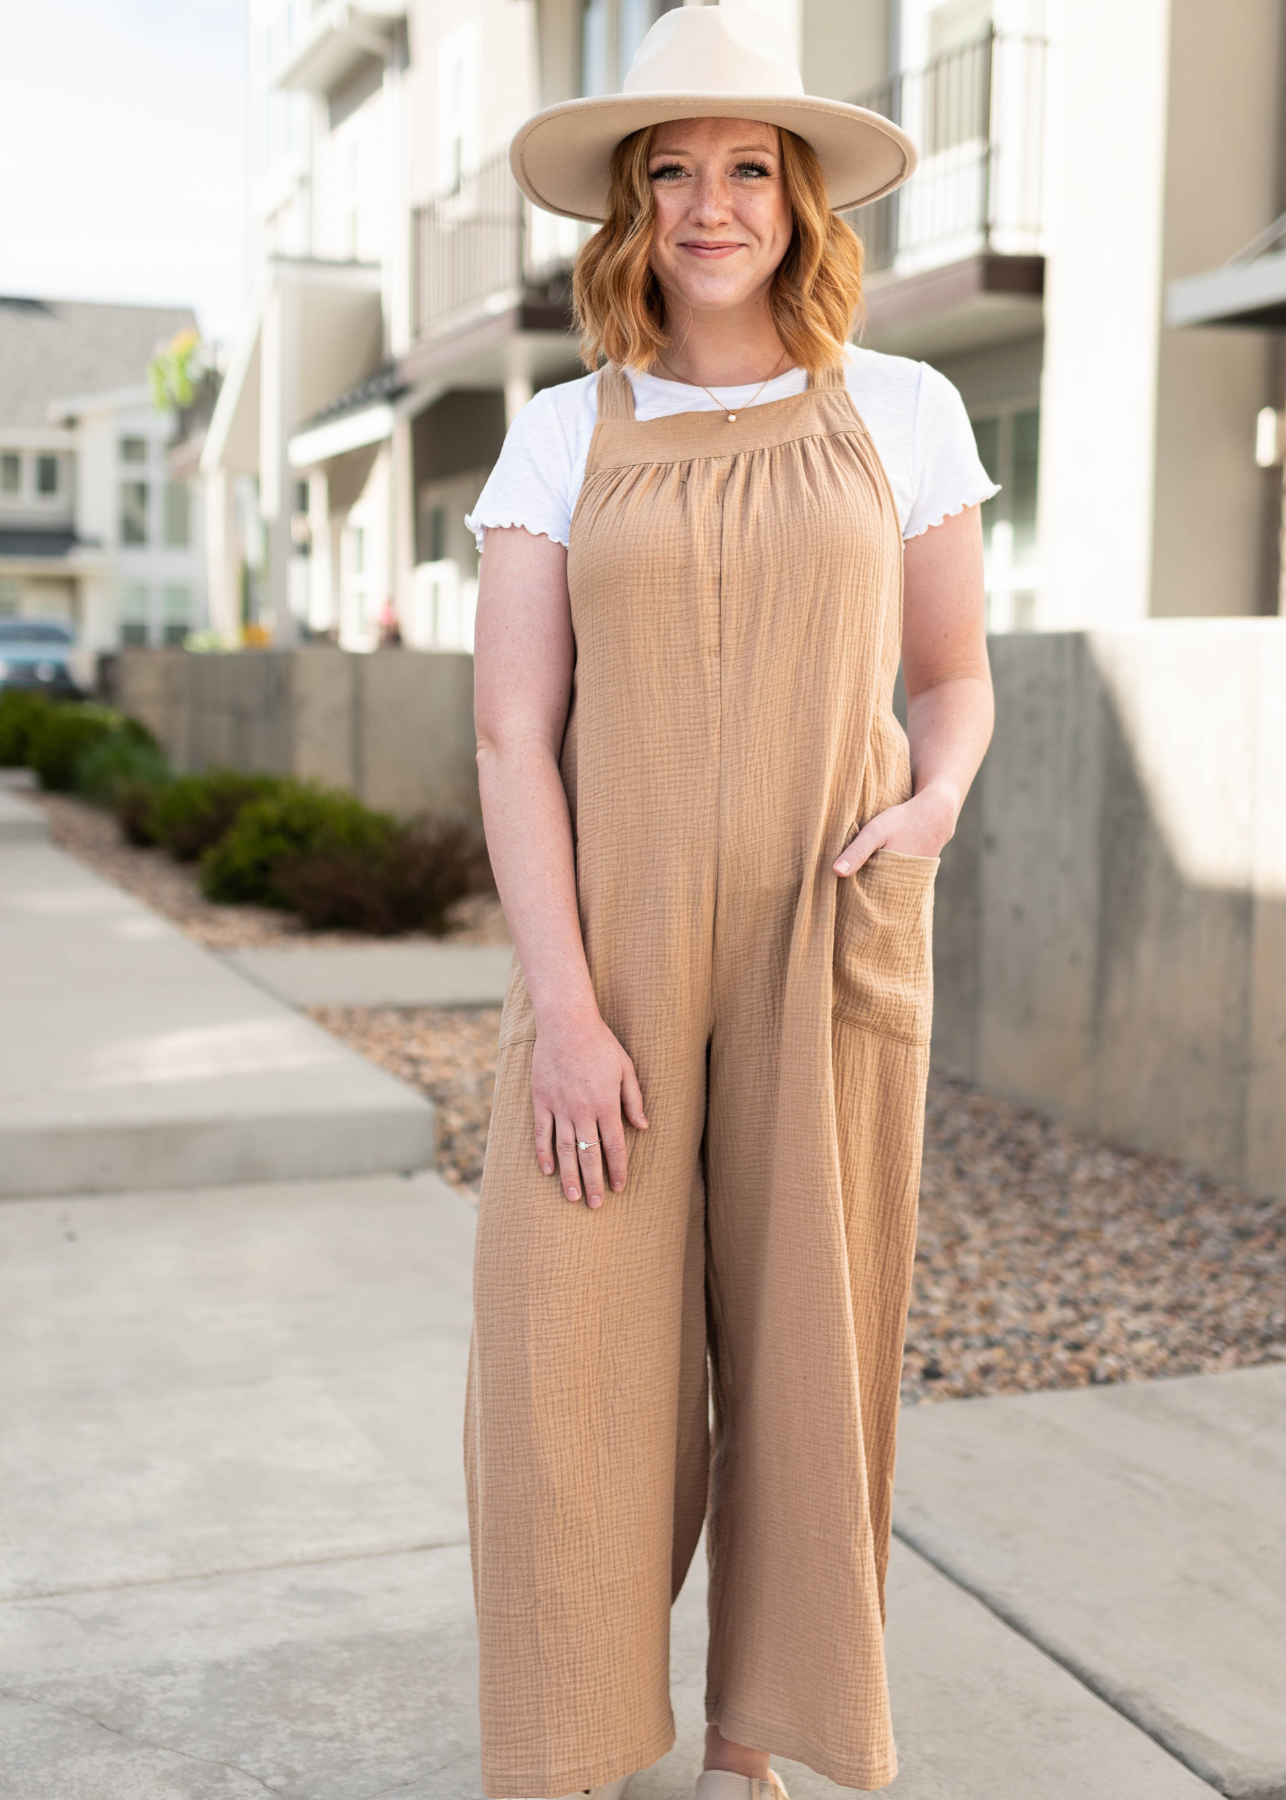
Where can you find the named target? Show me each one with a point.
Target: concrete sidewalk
(396, 974)
(1136, 1533)
(237, 1558)
(130, 1058)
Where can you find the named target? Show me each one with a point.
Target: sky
(121, 153)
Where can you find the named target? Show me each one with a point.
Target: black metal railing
(482, 241)
(977, 115)
(467, 244)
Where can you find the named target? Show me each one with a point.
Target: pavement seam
(304, 1562)
(1079, 1673)
(78, 1712)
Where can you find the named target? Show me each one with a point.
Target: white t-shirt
(913, 413)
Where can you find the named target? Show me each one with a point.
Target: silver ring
(581, 1144)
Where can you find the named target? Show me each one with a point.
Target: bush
(406, 883)
(294, 822)
(133, 808)
(118, 761)
(193, 812)
(65, 734)
(20, 713)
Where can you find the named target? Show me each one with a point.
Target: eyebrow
(740, 150)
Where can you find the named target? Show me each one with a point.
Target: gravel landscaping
(172, 888)
(1045, 1259)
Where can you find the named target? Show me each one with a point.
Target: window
(133, 512)
(458, 105)
(437, 533)
(611, 31)
(177, 523)
(1008, 447)
(957, 90)
(135, 608)
(176, 614)
(46, 475)
(133, 450)
(10, 473)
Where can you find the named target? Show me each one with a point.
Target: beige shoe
(722, 1784)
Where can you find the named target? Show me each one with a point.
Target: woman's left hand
(918, 827)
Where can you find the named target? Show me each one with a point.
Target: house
(408, 300)
(92, 529)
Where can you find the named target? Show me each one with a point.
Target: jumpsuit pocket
(883, 968)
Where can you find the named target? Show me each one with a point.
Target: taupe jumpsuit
(736, 595)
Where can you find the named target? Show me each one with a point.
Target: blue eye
(666, 170)
(753, 168)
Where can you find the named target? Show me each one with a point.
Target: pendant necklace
(732, 417)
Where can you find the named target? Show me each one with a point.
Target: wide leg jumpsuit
(736, 596)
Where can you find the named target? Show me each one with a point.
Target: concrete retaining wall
(395, 727)
(1111, 915)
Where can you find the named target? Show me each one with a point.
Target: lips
(698, 247)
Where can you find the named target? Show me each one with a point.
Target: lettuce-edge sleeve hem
(920, 526)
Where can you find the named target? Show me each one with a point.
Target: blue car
(35, 655)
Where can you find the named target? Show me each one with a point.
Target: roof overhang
(36, 437)
(972, 304)
(81, 559)
(111, 400)
(522, 341)
(1246, 294)
(370, 425)
(336, 41)
(340, 340)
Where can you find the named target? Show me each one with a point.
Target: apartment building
(93, 529)
(1075, 160)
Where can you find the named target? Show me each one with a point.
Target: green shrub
(133, 808)
(20, 713)
(193, 812)
(118, 760)
(406, 883)
(296, 821)
(65, 734)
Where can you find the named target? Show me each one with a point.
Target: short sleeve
(947, 468)
(531, 483)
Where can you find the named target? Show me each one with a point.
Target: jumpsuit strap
(832, 377)
(615, 395)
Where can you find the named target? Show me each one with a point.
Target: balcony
(490, 285)
(483, 249)
(955, 259)
(333, 41)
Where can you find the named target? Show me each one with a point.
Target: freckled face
(723, 220)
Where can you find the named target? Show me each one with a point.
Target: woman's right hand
(581, 1082)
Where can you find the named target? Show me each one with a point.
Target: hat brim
(561, 158)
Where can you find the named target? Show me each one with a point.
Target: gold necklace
(732, 417)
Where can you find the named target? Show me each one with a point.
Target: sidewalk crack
(78, 1712)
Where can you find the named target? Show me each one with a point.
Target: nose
(712, 201)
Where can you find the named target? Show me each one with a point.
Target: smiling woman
(716, 849)
(783, 231)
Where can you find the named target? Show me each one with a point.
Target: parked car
(35, 654)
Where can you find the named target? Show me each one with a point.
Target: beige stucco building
(1075, 160)
(94, 528)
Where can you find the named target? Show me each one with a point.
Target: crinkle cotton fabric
(915, 416)
(736, 598)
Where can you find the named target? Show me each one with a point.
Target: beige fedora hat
(705, 62)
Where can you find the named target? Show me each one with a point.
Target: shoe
(722, 1784)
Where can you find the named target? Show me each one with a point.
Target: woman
(717, 859)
